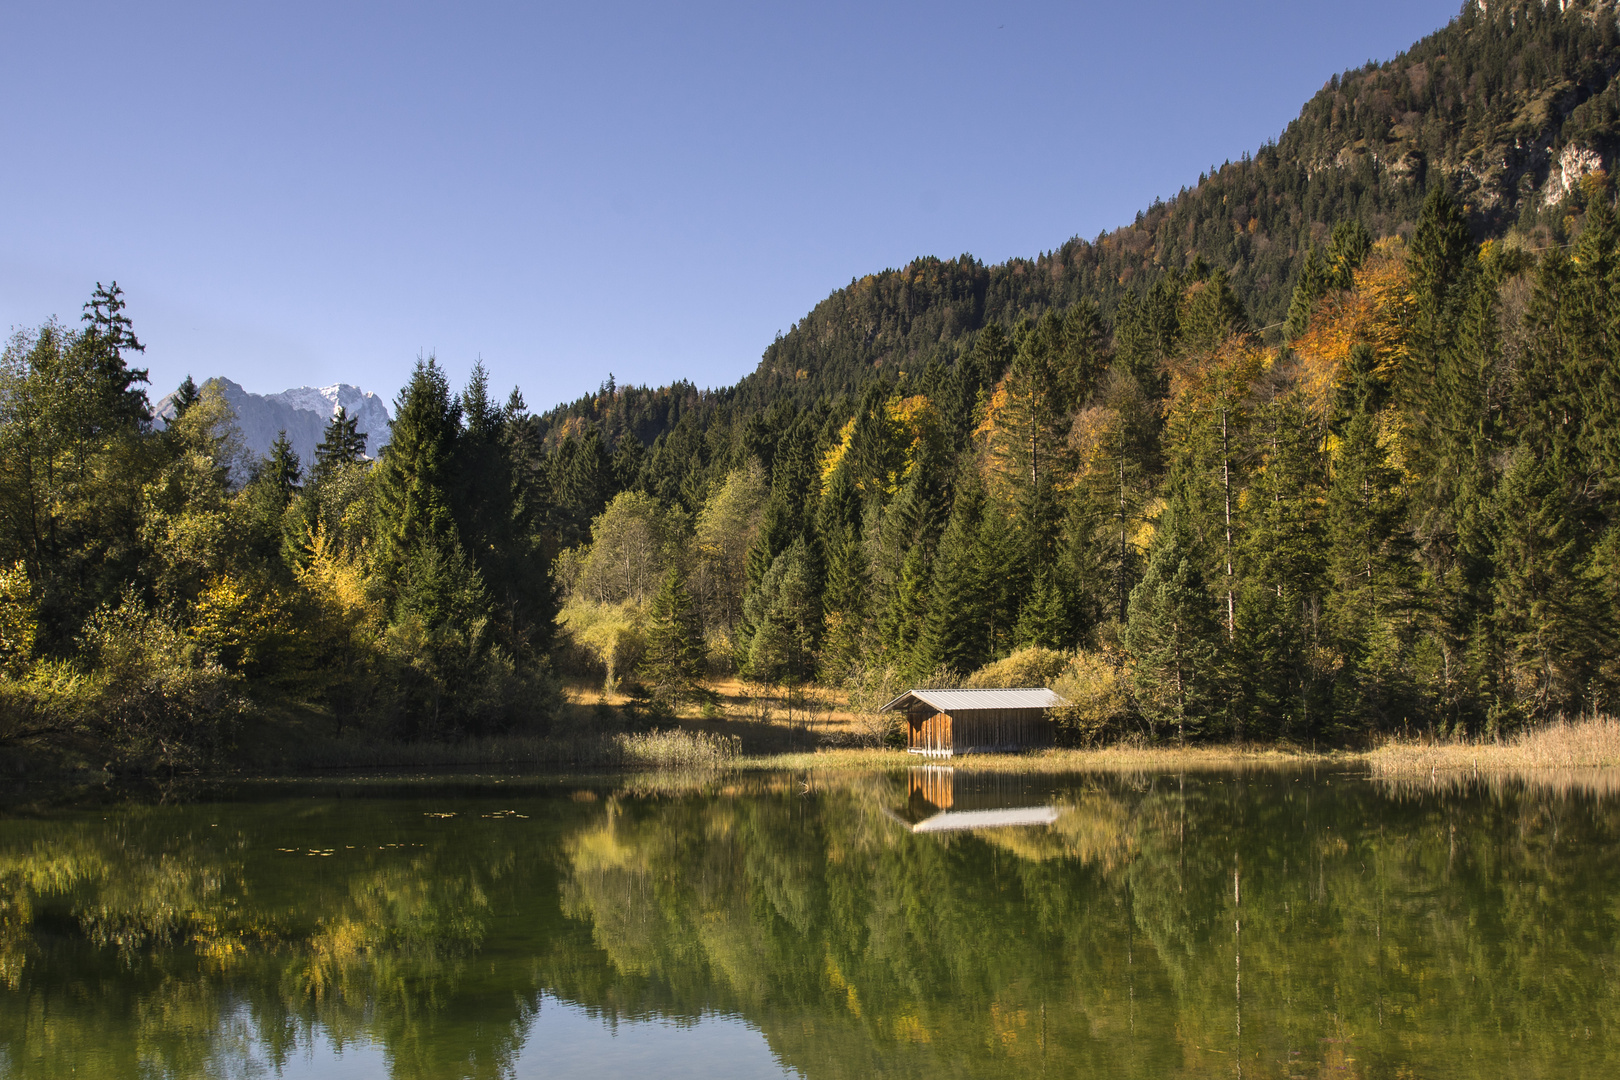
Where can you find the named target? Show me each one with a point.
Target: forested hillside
(1507, 109)
(1325, 447)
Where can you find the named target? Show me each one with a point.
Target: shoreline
(1587, 745)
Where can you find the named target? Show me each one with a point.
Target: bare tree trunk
(1226, 483)
(1121, 573)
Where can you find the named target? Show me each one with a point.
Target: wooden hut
(944, 723)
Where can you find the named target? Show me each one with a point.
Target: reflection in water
(1265, 925)
(943, 799)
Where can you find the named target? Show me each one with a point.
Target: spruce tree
(1368, 567)
(341, 444)
(845, 609)
(185, 396)
(673, 665)
(282, 469)
(904, 618)
(107, 335)
(1173, 635)
(1044, 617)
(416, 476)
(956, 634)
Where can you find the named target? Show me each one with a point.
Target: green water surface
(1265, 925)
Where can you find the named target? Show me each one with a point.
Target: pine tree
(282, 469)
(416, 475)
(673, 665)
(341, 444)
(1173, 635)
(956, 635)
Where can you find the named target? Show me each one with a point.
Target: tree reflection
(1272, 925)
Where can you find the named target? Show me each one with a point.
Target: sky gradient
(299, 193)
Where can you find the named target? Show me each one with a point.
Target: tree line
(1403, 516)
(161, 588)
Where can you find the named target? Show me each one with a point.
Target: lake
(929, 923)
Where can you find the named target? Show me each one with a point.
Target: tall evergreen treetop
(342, 443)
(415, 477)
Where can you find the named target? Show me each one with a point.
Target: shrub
(19, 621)
(612, 636)
(1096, 686)
(155, 693)
(1032, 666)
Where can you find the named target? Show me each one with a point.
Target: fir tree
(282, 469)
(674, 662)
(341, 444)
(1172, 633)
(956, 634)
(416, 475)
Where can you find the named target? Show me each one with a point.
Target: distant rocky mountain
(302, 412)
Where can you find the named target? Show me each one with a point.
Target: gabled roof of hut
(955, 701)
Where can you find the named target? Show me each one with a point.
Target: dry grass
(678, 749)
(1592, 743)
(1122, 757)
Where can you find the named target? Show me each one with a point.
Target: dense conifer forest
(1323, 447)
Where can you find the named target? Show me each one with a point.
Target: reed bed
(679, 749)
(1588, 743)
(1501, 784)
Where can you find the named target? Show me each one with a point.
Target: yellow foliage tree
(345, 634)
(251, 627)
(19, 620)
(1376, 313)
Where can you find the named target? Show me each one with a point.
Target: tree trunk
(1226, 483)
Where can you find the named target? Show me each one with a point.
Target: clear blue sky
(297, 193)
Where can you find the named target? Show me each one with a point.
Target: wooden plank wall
(987, 730)
(979, 731)
(929, 733)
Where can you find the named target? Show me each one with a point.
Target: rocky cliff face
(302, 412)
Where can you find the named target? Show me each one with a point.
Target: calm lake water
(928, 924)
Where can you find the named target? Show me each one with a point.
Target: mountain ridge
(1509, 105)
(302, 412)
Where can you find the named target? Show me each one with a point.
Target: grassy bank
(592, 733)
(1592, 743)
(1122, 757)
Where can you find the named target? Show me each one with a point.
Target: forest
(1390, 508)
